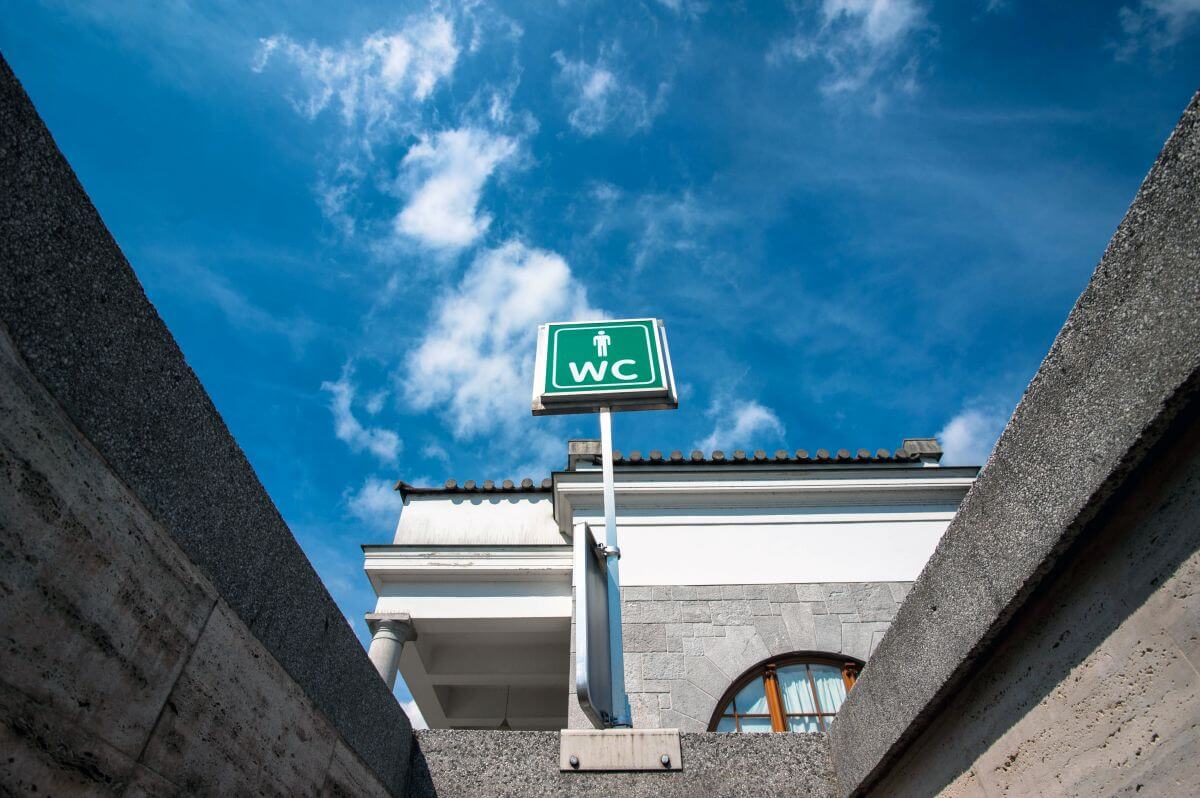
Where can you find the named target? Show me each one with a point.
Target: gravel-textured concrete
(1094, 690)
(1121, 370)
(79, 319)
(480, 764)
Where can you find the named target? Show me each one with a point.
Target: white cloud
(375, 401)
(680, 225)
(474, 364)
(599, 97)
(384, 444)
(414, 714)
(446, 174)
(378, 87)
(382, 88)
(370, 80)
(1155, 25)
(968, 438)
(435, 451)
(239, 311)
(687, 8)
(741, 424)
(879, 22)
(866, 44)
(376, 502)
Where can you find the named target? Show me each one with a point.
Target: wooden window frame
(767, 670)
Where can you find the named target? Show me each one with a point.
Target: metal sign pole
(620, 701)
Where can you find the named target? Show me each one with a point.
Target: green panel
(602, 357)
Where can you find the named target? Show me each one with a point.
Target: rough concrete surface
(481, 764)
(1122, 368)
(99, 608)
(1095, 689)
(686, 644)
(121, 670)
(79, 321)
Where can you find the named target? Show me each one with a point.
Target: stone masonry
(685, 645)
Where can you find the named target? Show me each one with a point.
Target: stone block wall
(685, 645)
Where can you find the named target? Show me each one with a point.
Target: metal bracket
(619, 749)
(608, 551)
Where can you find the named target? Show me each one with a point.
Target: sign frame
(658, 397)
(593, 656)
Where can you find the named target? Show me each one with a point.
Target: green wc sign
(584, 365)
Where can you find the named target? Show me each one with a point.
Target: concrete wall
(1095, 690)
(161, 630)
(123, 669)
(685, 645)
(1050, 646)
(481, 764)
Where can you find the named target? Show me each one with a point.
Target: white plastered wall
(478, 520)
(808, 544)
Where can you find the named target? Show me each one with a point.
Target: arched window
(795, 692)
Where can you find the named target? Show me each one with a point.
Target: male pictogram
(601, 340)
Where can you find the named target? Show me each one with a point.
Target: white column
(390, 635)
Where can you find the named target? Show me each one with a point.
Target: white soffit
(453, 565)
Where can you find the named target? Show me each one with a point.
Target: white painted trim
(652, 382)
(787, 517)
(492, 604)
(458, 564)
(576, 492)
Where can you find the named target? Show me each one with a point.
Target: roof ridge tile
(913, 449)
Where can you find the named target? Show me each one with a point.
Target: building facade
(754, 586)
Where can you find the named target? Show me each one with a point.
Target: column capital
(398, 623)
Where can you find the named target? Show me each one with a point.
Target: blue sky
(861, 219)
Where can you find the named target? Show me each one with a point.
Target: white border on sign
(552, 356)
(654, 397)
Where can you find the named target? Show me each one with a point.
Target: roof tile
(912, 450)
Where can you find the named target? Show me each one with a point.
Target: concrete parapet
(1120, 382)
(482, 764)
(153, 535)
